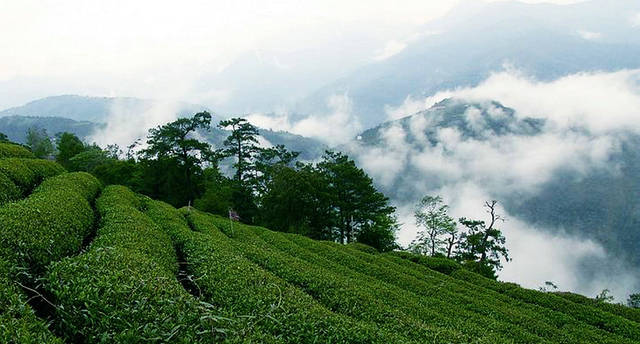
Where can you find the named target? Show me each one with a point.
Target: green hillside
(83, 263)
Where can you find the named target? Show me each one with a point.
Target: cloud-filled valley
(583, 122)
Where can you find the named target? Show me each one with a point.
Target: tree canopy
(40, 143)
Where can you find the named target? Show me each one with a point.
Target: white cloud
(635, 20)
(127, 123)
(336, 127)
(121, 45)
(392, 48)
(586, 117)
(600, 102)
(590, 35)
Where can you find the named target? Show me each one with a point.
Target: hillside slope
(125, 268)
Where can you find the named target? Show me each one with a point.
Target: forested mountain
(66, 113)
(95, 109)
(16, 127)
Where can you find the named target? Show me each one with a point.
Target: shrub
(51, 223)
(27, 173)
(272, 305)
(471, 312)
(18, 323)
(9, 192)
(362, 247)
(617, 309)
(590, 315)
(124, 288)
(343, 293)
(443, 265)
(9, 150)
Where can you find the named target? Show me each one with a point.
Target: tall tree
(69, 145)
(356, 202)
(266, 161)
(242, 144)
(39, 142)
(175, 143)
(482, 243)
(297, 201)
(605, 296)
(432, 215)
(4, 138)
(634, 300)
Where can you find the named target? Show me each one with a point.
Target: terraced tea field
(83, 263)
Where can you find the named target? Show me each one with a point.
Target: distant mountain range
(93, 109)
(83, 115)
(475, 39)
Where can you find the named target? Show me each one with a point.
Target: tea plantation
(83, 263)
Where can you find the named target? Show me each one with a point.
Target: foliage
(355, 202)
(217, 198)
(380, 234)
(549, 286)
(331, 288)
(28, 173)
(613, 308)
(4, 138)
(595, 317)
(51, 223)
(68, 145)
(432, 215)
(271, 306)
(87, 160)
(40, 143)
(634, 300)
(440, 264)
(174, 143)
(129, 274)
(483, 246)
(242, 144)
(298, 201)
(8, 190)
(10, 150)
(18, 322)
(604, 296)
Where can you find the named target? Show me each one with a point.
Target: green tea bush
(51, 223)
(617, 309)
(363, 247)
(576, 332)
(344, 294)
(26, 174)
(9, 150)
(123, 289)
(9, 192)
(461, 296)
(574, 329)
(444, 265)
(18, 323)
(469, 314)
(590, 315)
(273, 305)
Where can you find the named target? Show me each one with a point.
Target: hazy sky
(158, 48)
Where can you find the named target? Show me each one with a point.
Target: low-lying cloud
(336, 127)
(587, 116)
(129, 122)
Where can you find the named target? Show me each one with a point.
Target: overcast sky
(158, 48)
